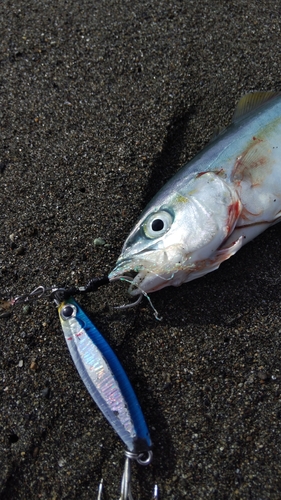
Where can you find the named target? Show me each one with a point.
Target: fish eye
(68, 311)
(157, 224)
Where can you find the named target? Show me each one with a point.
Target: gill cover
(172, 238)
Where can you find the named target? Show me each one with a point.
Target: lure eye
(158, 224)
(68, 311)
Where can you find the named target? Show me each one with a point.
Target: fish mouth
(153, 269)
(141, 279)
(130, 276)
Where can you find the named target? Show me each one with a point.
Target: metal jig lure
(108, 384)
(102, 374)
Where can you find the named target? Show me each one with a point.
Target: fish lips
(128, 266)
(143, 281)
(125, 271)
(143, 272)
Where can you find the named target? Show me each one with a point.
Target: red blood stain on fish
(234, 211)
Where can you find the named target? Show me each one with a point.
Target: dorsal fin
(251, 101)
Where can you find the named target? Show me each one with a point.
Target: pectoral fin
(225, 253)
(207, 266)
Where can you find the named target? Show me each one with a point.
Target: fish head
(177, 234)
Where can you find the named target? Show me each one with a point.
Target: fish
(228, 194)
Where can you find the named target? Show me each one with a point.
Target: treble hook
(126, 493)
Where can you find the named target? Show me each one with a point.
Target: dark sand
(101, 102)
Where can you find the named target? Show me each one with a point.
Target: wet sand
(101, 102)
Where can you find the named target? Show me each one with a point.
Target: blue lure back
(104, 377)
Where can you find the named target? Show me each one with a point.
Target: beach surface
(101, 103)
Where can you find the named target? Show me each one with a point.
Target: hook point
(100, 490)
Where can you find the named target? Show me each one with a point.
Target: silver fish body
(227, 195)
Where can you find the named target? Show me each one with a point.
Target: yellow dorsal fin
(251, 101)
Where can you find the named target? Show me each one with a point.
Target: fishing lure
(108, 384)
(103, 376)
